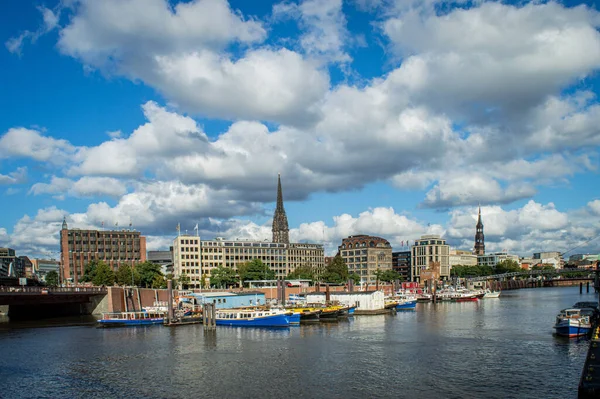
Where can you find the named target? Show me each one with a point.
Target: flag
(178, 228)
(196, 228)
(116, 224)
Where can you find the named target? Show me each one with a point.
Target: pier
(589, 383)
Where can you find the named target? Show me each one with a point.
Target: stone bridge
(40, 302)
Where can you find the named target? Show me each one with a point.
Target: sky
(394, 118)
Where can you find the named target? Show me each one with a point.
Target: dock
(589, 384)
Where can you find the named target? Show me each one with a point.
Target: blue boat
(351, 310)
(254, 317)
(122, 319)
(571, 323)
(406, 305)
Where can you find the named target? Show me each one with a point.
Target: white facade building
(430, 248)
(495, 258)
(363, 300)
(458, 257)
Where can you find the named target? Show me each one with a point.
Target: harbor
(490, 348)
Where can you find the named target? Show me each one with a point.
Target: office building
(428, 249)
(365, 254)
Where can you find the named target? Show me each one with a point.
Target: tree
(389, 276)
(90, 271)
(507, 266)
(148, 272)
(305, 272)
(126, 275)
(336, 271)
(103, 275)
(223, 277)
(354, 277)
(52, 279)
(255, 270)
(184, 280)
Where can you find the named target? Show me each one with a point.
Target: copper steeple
(280, 222)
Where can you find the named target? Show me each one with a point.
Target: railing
(530, 273)
(55, 290)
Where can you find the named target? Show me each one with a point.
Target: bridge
(531, 274)
(35, 302)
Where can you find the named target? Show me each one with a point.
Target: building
(115, 247)
(228, 300)
(26, 266)
(493, 259)
(10, 264)
(479, 248)
(364, 255)
(458, 257)
(401, 264)
(280, 227)
(527, 263)
(363, 300)
(428, 249)
(162, 258)
(197, 258)
(45, 266)
(553, 258)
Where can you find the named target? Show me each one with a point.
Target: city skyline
(383, 118)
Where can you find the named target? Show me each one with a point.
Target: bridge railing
(54, 290)
(523, 273)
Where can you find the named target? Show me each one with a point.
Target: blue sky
(391, 118)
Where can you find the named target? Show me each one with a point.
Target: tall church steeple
(479, 237)
(280, 222)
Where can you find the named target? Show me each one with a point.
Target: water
(496, 348)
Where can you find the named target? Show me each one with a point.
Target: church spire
(479, 237)
(64, 224)
(280, 222)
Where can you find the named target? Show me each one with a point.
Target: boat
(254, 317)
(131, 319)
(467, 298)
(491, 294)
(571, 323)
(351, 310)
(307, 314)
(406, 304)
(329, 313)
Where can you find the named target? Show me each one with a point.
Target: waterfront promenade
(500, 348)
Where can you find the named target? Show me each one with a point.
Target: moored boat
(254, 317)
(406, 304)
(571, 323)
(491, 294)
(307, 314)
(130, 319)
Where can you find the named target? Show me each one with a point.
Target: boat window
(224, 300)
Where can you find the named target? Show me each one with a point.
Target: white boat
(491, 294)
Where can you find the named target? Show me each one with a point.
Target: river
(495, 348)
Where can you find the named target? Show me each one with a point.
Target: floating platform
(589, 384)
(184, 321)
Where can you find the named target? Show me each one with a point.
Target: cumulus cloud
(86, 186)
(27, 143)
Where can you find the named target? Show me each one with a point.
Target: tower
(280, 223)
(64, 225)
(479, 237)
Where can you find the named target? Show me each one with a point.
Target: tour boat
(131, 319)
(571, 323)
(254, 317)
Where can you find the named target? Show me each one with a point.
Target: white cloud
(324, 28)
(594, 206)
(493, 59)
(17, 176)
(21, 142)
(84, 187)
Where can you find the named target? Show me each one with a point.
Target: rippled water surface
(496, 348)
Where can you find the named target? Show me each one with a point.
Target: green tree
(336, 271)
(52, 279)
(389, 276)
(148, 272)
(223, 277)
(89, 272)
(255, 270)
(103, 275)
(507, 266)
(184, 280)
(305, 272)
(354, 277)
(126, 275)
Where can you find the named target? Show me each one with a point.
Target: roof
(344, 293)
